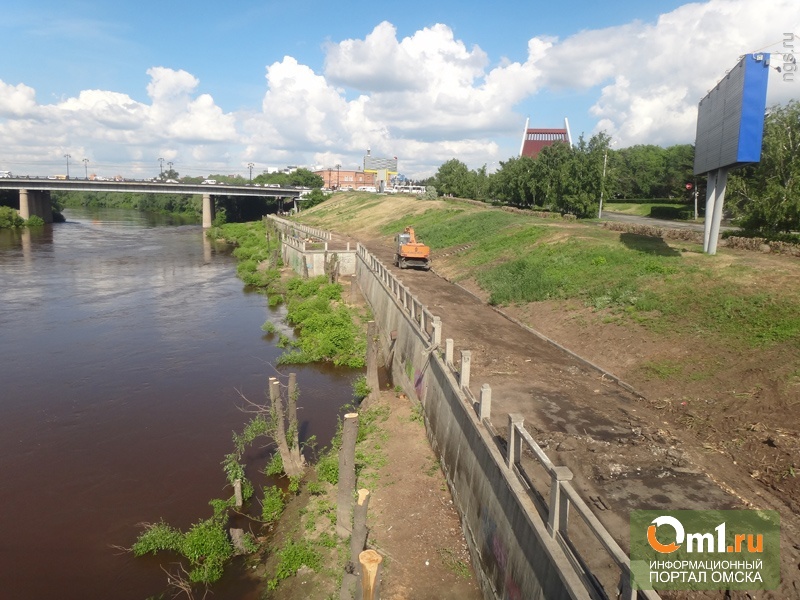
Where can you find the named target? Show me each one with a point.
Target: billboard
(730, 119)
(373, 164)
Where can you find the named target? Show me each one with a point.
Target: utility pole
(67, 156)
(338, 166)
(169, 164)
(250, 166)
(161, 167)
(86, 167)
(602, 184)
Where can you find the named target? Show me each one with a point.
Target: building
(533, 140)
(336, 179)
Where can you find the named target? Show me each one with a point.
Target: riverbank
(412, 520)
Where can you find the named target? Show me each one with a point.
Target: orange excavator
(409, 252)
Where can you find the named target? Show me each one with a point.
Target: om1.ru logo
(700, 542)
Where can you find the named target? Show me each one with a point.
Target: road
(626, 218)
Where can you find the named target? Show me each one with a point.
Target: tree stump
(370, 574)
(347, 475)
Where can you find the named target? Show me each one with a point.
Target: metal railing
(288, 227)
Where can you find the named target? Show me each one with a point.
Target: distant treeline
(187, 204)
(572, 179)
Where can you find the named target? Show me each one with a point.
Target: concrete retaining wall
(311, 262)
(308, 249)
(510, 548)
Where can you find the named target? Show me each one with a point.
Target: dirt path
(623, 451)
(412, 519)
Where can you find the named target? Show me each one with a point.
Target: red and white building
(534, 140)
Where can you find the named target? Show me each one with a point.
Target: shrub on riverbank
(9, 219)
(326, 329)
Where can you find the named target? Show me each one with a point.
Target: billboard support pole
(715, 198)
(710, 193)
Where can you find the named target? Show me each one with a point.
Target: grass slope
(518, 259)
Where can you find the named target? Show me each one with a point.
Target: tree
(481, 184)
(678, 170)
(766, 196)
(641, 171)
(511, 183)
(453, 178)
(299, 177)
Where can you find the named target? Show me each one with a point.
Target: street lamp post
(250, 166)
(86, 167)
(338, 166)
(169, 164)
(67, 156)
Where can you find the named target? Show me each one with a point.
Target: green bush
(273, 504)
(291, 557)
(665, 212)
(34, 221)
(360, 388)
(326, 331)
(9, 218)
(328, 468)
(205, 545)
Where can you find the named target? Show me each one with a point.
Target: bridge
(34, 192)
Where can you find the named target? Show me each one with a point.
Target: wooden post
(372, 360)
(237, 492)
(289, 466)
(294, 427)
(359, 537)
(370, 574)
(347, 475)
(237, 538)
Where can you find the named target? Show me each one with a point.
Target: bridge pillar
(35, 202)
(208, 211)
(43, 207)
(24, 205)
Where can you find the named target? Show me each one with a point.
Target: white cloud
(16, 100)
(112, 129)
(652, 76)
(425, 98)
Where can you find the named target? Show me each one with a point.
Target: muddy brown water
(125, 342)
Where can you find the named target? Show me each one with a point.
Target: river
(125, 343)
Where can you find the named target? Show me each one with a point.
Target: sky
(214, 87)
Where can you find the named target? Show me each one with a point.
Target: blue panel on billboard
(730, 119)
